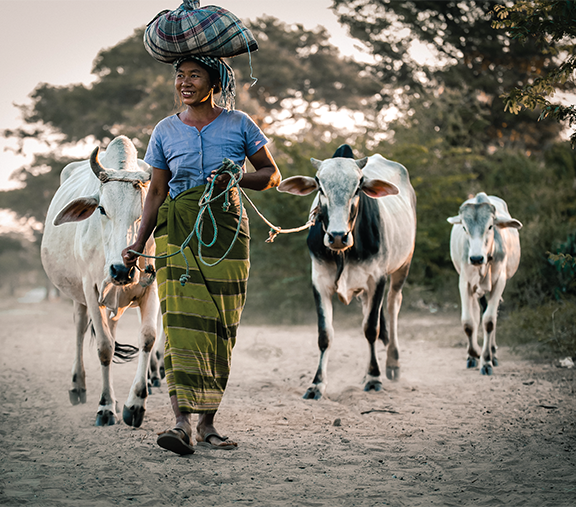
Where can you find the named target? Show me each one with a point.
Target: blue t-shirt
(191, 155)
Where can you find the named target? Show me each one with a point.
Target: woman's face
(192, 83)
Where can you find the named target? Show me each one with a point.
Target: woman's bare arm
(266, 175)
(156, 195)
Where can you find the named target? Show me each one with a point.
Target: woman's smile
(193, 83)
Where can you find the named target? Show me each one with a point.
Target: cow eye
(101, 210)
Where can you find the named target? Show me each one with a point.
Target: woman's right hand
(130, 258)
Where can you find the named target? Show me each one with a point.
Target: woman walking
(200, 318)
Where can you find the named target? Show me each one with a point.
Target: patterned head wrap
(228, 94)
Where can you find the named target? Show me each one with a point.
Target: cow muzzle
(121, 275)
(338, 241)
(477, 260)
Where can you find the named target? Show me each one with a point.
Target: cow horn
(96, 166)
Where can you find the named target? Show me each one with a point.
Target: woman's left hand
(221, 180)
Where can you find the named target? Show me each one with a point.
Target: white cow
(485, 250)
(363, 235)
(93, 216)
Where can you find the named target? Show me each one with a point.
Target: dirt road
(442, 435)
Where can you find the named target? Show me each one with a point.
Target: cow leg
(77, 393)
(383, 334)
(323, 302)
(372, 321)
(156, 369)
(133, 413)
(394, 302)
(106, 415)
(488, 360)
(470, 321)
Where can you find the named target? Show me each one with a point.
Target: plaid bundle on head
(192, 30)
(228, 94)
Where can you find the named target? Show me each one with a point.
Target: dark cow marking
(489, 326)
(483, 303)
(375, 312)
(373, 385)
(471, 362)
(468, 330)
(343, 151)
(142, 393)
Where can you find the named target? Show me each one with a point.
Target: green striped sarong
(200, 319)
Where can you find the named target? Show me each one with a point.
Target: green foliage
(40, 181)
(551, 25)
(471, 64)
(280, 289)
(293, 63)
(565, 266)
(550, 326)
(20, 262)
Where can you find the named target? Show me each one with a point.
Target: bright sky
(56, 41)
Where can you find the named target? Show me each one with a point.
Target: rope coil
(235, 172)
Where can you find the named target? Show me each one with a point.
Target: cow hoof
(313, 393)
(133, 416)
(373, 385)
(105, 418)
(494, 361)
(392, 373)
(486, 369)
(471, 362)
(155, 382)
(77, 396)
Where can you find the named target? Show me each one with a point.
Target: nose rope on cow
(235, 172)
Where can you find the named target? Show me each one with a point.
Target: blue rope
(242, 29)
(235, 173)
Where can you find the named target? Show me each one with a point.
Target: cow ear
(144, 166)
(77, 210)
(508, 222)
(298, 185)
(454, 220)
(361, 163)
(316, 163)
(378, 188)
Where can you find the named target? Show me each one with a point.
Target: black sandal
(175, 440)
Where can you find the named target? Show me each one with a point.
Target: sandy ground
(442, 435)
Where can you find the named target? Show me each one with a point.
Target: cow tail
(123, 352)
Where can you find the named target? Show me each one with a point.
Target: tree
(300, 74)
(468, 58)
(551, 26)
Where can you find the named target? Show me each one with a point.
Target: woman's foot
(206, 434)
(175, 440)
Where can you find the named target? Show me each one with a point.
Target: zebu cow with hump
(364, 234)
(93, 216)
(485, 250)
